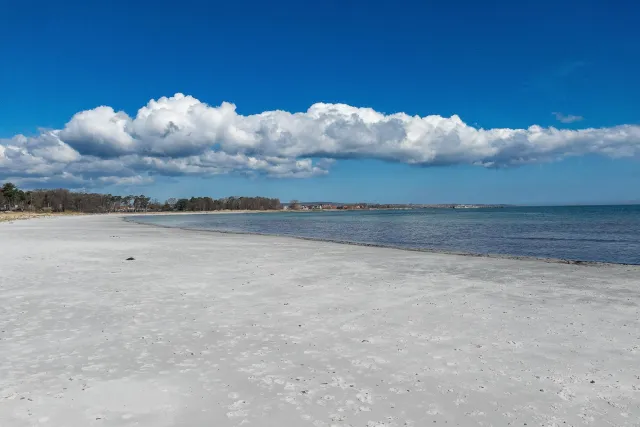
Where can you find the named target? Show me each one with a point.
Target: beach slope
(223, 330)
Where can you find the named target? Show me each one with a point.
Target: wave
(576, 239)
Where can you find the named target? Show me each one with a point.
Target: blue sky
(495, 64)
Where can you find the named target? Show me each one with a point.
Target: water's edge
(377, 245)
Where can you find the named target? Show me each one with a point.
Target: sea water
(581, 233)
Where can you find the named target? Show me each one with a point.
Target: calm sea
(583, 233)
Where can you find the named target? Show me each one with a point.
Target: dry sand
(14, 216)
(206, 329)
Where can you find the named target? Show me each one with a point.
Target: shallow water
(584, 233)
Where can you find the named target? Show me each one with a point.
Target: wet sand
(224, 330)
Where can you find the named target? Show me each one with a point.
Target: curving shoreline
(380, 245)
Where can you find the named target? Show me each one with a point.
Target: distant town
(295, 205)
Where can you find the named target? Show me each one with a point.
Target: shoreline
(127, 218)
(401, 248)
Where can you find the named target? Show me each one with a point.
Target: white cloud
(183, 136)
(126, 180)
(567, 118)
(100, 131)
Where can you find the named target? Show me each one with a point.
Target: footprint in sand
(237, 404)
(352, 327)
(365, 397)
(566, 394)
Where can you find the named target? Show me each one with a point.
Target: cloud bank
(180, 136)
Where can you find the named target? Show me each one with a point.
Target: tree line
(13, 198)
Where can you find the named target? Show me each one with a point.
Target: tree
(294, 204)
(181, 205)
(126, 201)
(10, 193)
(116, 201)
(144, 202)
(155, 205)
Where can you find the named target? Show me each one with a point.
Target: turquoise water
(581, 233)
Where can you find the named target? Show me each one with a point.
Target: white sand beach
(208, 329)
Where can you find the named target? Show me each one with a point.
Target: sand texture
(207, 329)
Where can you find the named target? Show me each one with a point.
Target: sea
(608, 234)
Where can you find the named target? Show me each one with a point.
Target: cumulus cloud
(567, 118)
(180, 135)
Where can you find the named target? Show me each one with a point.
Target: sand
(207, 329)
(15, 216)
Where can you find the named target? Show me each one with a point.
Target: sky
(397, 102)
